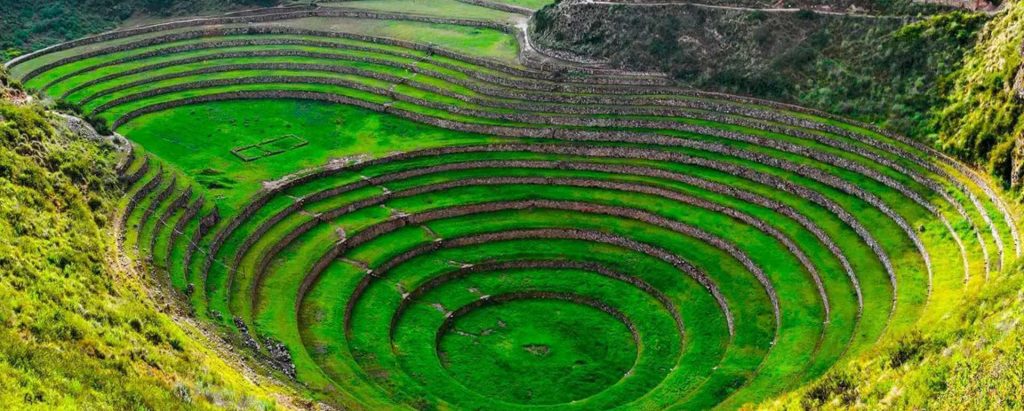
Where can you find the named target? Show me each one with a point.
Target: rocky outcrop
(279, 356)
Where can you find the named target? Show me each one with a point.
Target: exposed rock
(1018, 81)
(280, 357)
(1017, 171)
(246, 337)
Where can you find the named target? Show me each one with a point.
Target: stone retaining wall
(391, 225)
(179, 229)
(206, 223)
(131, 179)
(125, 164)
(589, 137)
(848, 147)
(761, 141)
(248, 17)
(634, 214)
(434, 282)
(176, 205)
(133, 201)
(499, 6)
(749, 197)
(572, 121)
(153, 205)
(532, 295)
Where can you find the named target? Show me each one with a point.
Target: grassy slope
(333, 131)
(470, 40)
(73, 330)
(949, 78)
(981, 114)
(192, 130)
(928, 351)
(879, 70)
(440, 8)
(971, 360)
(530, 4)
(34, 24)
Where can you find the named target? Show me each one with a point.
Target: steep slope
(883, 69)
(971, 360)
(31, 25)
(951, 78)
(76, 327)
(980, 119)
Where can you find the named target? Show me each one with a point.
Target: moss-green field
(422, 219)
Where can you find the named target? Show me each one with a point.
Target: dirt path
(737, 8)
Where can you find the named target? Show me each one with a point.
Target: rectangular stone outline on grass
(266, 148)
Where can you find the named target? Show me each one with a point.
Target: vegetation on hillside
(879, 70)
(949, 79)
(76, 330)
(980, 118)
(363, 320)
(394, 225)
(971, 360)
(32, 24)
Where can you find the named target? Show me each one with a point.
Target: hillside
(950, 79)
(76, 326)
(888, 70)
(409, 204)
(970, 360)
(980, 117)
(30, 25)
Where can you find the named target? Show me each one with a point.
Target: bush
(805, 14)
(68, 107)
(99, 124)
(834, 386)
(908, 349)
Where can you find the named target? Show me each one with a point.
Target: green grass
(880, 189)
(549, 351)
(230, 124)
(545, 351)
(60, 281)
(581, 352)
(530, 4)
(214, 299)
(563, 249)
(474, 41)
(407, 207)
(435, 8)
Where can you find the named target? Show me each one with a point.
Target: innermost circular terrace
(538, 350)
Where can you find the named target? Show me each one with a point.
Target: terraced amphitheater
(399, 208)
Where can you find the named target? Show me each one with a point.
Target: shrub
(99, 124)
(805, 14)
(69, 107)
(834, 386)
(909, 348)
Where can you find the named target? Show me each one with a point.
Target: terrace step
(746, 245)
